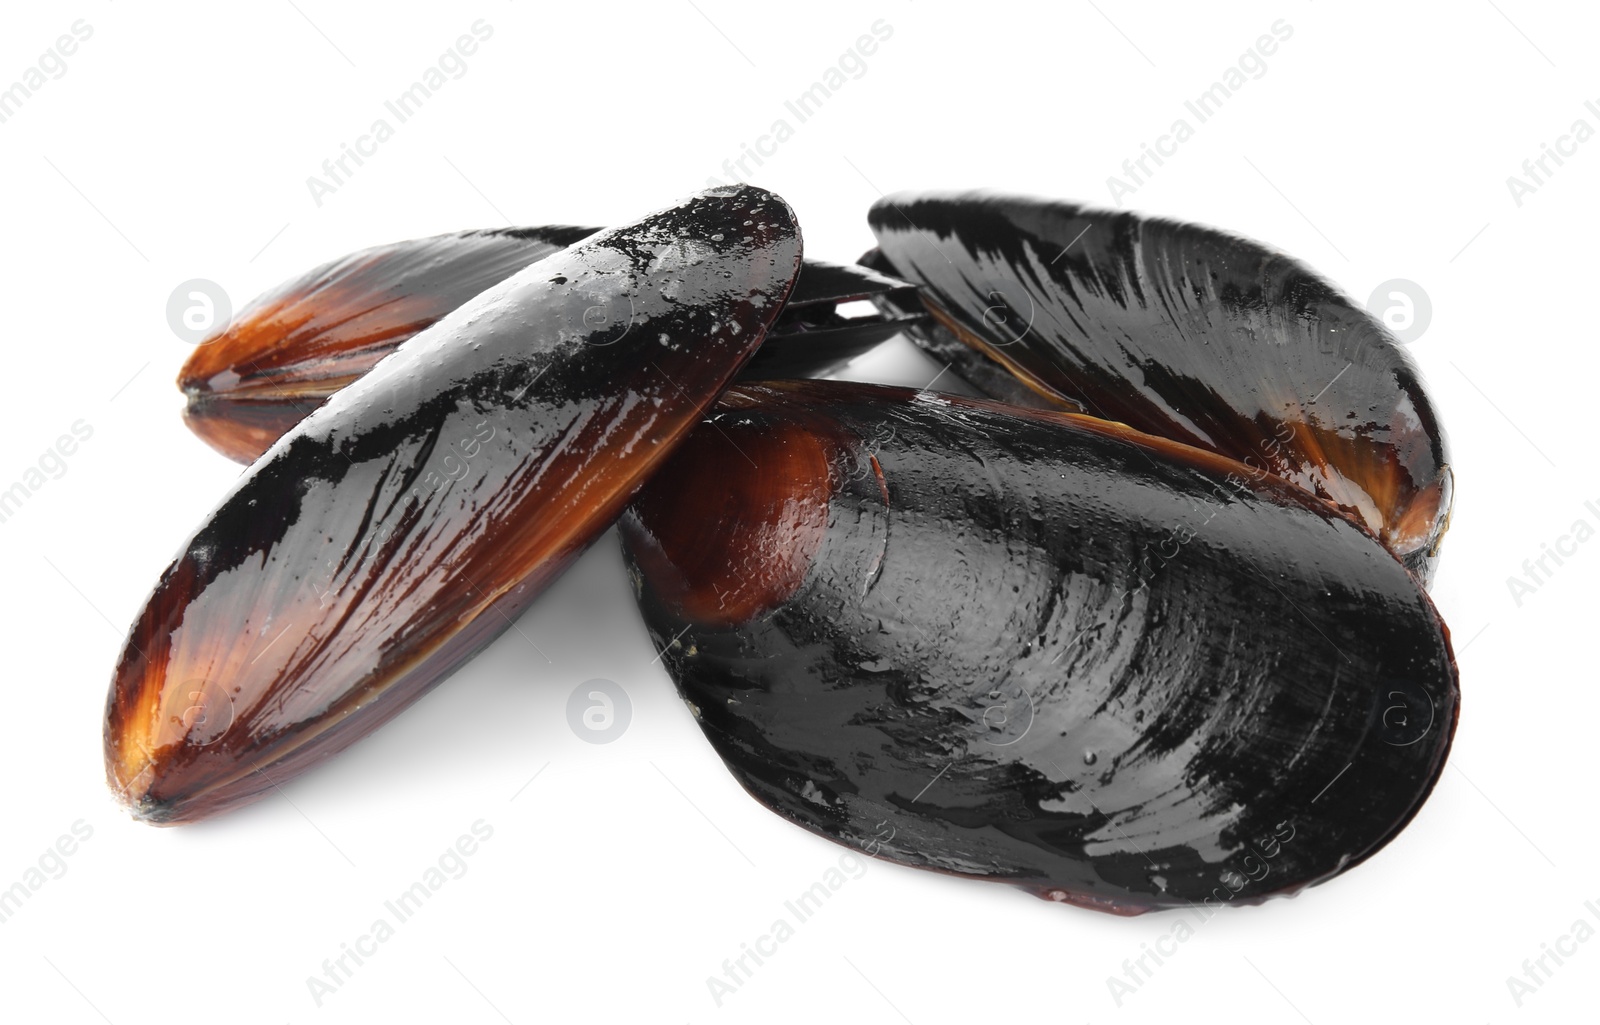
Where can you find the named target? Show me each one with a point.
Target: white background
(177, 145)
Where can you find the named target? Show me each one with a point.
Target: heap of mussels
(1147, 628)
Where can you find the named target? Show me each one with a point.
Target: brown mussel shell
(1180, 331)
(1039, 648)
(391, 534)
(301, 342)
(298, 343)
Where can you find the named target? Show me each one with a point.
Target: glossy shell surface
(1037, 648)
(301, 342)
(400, 527)
(1184, 332)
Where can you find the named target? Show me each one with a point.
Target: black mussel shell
(1039, 648)
(1180, 331)
(384, 540)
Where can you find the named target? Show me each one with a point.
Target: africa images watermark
(1137, 971)
(1537, 171)
(736, 971)
(1538, 570)
(52, 864)
(1136, 171)
(853, 62)
(51, 63)
(52, 465)
(337, 172)
(1537, 971)
(451, 864)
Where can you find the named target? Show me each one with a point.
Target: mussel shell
(1187, 333)
(1037, 648)
(300, 342)
(395, 531)
(294, 346)
(813, 339)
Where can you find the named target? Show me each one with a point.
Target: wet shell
(388, 537)
(1184, 332)
(1039, 649)
(301, 342)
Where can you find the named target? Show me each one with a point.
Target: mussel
(1038, 648)
(1149, 632)
(301, 342)
(394, 532)
(1180, 331)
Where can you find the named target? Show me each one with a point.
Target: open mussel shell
(1184, 332)
(814, 338)
(1039, 649)
(301, 342)
(399, 528)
